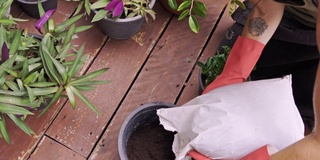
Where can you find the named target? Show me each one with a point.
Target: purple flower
(44, 19)
(5, 53)
(116, 6)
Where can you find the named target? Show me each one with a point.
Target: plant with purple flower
(122, 9)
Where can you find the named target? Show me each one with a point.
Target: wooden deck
(157, 64)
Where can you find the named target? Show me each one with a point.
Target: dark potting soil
(150, 142)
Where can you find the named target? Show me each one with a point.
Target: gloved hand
(241, 60)
(259, 154)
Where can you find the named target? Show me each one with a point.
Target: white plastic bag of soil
(232, 121)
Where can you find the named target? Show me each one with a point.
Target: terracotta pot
(143, 115)
(121, 28)
(165, 4)
(31, 7)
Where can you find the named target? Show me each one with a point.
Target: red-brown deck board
(157, 64)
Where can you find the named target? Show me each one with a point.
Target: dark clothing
(291, 50)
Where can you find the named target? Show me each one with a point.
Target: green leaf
(72, 71)
(88, 77)
(69, 35)
(30, 93)
(199, 12)
(241, 4)
(54, 99)
(84, 100)
(99, 4)
(31, 78)
(13, 109)
(3, 129)
(79, 8)
(87, 7)
(183, 15)
(42, 84)
(15, 43)
(71, 97)
(13, 86)
(13, 93)
(201, 5)
(89, 83)
(7, 64)
(25, 69)
(4, 7)
(23, 126)
(173, 4)
(7, 21)
(193, 24)
(99, 15)
(62, 26)
(18, 101)
(184, 5)
(44, 91)
(61, 70)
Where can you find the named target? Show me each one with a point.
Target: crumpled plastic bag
(231, 121)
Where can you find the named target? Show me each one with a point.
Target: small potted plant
(194, 9)
(31, 6)
(36, 71)
(121, 19)
(212, 67)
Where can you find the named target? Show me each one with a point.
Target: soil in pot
(150, 142)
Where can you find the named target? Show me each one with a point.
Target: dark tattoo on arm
(257, 26)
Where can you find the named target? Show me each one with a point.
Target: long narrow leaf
(54, 99)
(18, 101)
(69, 35)
(13, 109)
(23, 126)
(72, 71)
(15, 43)
(3, 130)
(84, 100)
(62, 26)
(71, 97)
(89, 76)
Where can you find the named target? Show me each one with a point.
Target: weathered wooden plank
(51, 150)
(22, 145)
(191, 89)
(81, 129)
(163, 75)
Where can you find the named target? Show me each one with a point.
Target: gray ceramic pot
(141, 116)
(31, 7)
(121, 28)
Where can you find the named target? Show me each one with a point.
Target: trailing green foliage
(37, 70)
(196, 8)
(214, 65)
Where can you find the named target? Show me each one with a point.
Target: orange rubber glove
(259, 154)
(241, 60)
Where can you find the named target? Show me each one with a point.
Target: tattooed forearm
(257, 26)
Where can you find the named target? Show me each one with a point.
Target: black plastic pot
(202, 82)
(31, 7)
(141, 116)
(121, 28)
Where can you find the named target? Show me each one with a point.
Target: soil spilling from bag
(150, 142)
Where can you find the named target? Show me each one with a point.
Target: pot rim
(152, 3)
(131, 116)
(28, 2)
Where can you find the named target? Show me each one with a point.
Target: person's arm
(260, 26)
(263, 21)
